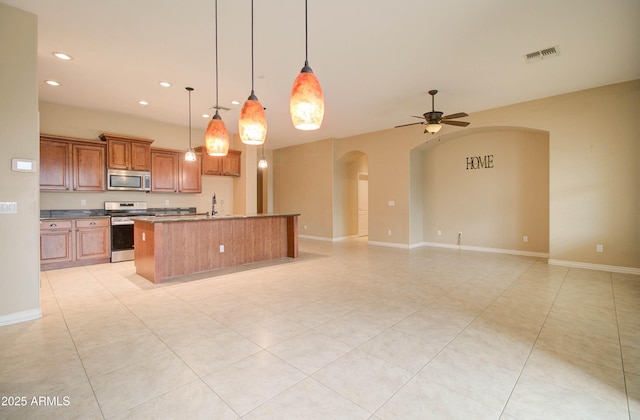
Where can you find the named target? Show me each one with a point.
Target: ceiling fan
(435, 119)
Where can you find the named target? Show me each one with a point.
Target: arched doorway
(351, 198)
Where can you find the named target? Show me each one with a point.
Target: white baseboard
(389, 244)
(17, 317)
(316, 238)
(485, 249)
(323, 238)
(597, 267)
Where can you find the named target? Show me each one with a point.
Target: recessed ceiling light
(143, 102)
(206, 116)
(234, 102)
(62, 56)
(165, 84)
(52, 83)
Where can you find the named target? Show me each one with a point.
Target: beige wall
(303, 183)
(492, 207)
(593, 176)
(89, 124)
(19, 255)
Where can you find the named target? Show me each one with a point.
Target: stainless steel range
(122, 215)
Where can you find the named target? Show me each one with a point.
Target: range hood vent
(541, 54)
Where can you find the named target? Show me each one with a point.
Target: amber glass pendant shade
(216, 138)
(252, 123)
(307, 101)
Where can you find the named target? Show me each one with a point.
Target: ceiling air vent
(542, 54)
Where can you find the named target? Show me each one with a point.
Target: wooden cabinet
(190, 175)
(231, 163)
(56, 242)
(130, 153)
(88, 167)
(73, 242)
(55, 165)
(68, 164)
(171, 173)
(228, 165)
(93, 239)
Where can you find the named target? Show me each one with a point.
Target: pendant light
(216, 138)
(307, 102)
(190, 156)
(252, 123)
(262, 163)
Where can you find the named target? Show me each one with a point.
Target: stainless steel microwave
(123, 180)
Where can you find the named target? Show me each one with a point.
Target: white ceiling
(376, 60)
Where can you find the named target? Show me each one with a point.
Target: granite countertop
(72, 214)
(204, 217)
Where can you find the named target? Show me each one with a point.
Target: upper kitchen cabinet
(171, 173)
(68, 164)
(228, 165)
(129, 153)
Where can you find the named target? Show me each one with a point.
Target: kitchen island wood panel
(171, 247)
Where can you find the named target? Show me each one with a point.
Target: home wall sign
(480, 162)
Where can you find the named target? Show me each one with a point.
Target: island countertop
(171, 246)
(197, 217)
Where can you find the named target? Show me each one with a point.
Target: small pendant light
(216, 138)
(190, 156)
(252, 123)
(307, 102)
(262, 163)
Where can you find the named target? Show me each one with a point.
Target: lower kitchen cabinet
(56, 242)
(92, 239)
(74, 242)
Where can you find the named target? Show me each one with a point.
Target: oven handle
(123, 223)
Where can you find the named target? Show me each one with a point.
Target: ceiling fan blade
(405, 125)
(458, 123)
(458, 115)
(415, 116)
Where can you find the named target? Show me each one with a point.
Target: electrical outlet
(439, 232)
(166, 202)
(83, 202)
(599, 248)
(389, 232)
(525, 238)
(221, 248)
(391, 203)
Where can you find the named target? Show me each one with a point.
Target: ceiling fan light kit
(306, 103)
(434, 119)
(216, 137)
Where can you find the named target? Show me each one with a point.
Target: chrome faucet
(213, 205)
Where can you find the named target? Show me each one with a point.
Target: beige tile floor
(346, 331)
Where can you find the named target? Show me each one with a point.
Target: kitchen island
(167, 247)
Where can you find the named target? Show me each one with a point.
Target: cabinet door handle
(52, 225)
(92, 223)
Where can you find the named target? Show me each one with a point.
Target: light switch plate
(8, 207)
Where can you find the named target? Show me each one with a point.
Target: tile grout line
(75, 346)
(624, 376)
(534, 344)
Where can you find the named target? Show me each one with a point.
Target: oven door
(121, 242)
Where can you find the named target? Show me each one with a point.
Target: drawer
(91, 223)
(56, 224)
